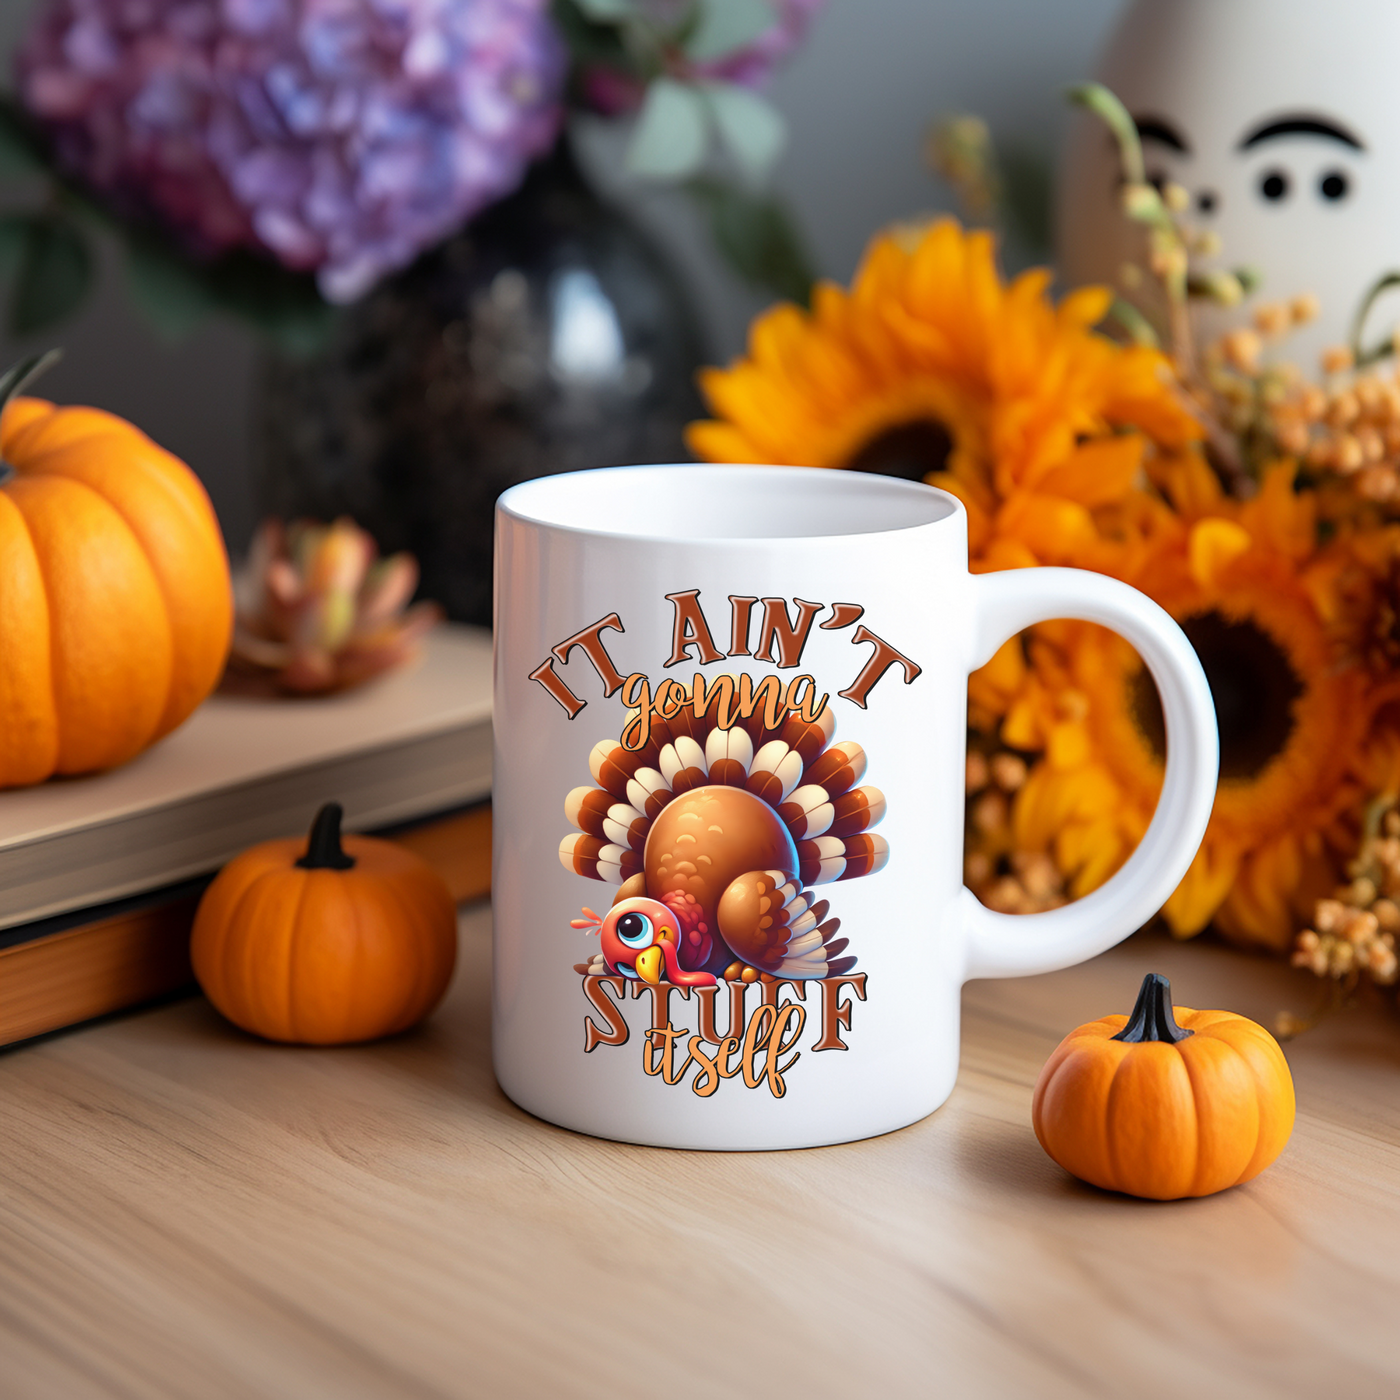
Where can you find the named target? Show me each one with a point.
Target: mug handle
(1016, 945)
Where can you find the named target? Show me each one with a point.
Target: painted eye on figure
(1334, 185)
(635, 930)
(1273, 185)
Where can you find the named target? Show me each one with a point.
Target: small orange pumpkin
(1162, 1107)
(115, 602)
(323, 942)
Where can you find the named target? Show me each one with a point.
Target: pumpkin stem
(1152, 1017)
(323, 848)
(19, 377)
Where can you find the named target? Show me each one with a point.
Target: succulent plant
(318, 610)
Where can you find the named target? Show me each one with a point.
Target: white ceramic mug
(784, 966)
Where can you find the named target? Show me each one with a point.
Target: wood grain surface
(186, 1212)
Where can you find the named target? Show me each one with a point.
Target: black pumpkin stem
(1152, 1017)
(14, 380)
(19, 376)
(323, 849)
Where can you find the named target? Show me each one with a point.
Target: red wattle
(679, 975)
(697, 932)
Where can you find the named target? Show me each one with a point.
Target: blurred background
(859, 97)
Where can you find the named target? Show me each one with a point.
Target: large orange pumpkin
(1165, 1103)
(115, 602)
(319, 942)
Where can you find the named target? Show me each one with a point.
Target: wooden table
(185, 1212)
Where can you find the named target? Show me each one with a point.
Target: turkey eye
(634, 930)
(1334, 185)
(1274, 186)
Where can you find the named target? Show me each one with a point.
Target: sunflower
(932, 367)
(1263, 605)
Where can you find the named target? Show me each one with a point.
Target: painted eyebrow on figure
(1161, 130)
(1300, 124)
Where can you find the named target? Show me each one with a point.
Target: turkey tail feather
(822, 860)
(647, 792)
(825, 799)
(598, 859)
(729, 753)
(775, 772)
(612, 766)
(838, 769)
(831, 858)
(683, 764)
(595, 812)
(808, 811)
(864, 856)
(857, 811)
(808, 737)
(684, 725)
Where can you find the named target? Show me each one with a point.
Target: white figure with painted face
(1281, 120)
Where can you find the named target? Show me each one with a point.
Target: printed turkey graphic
(712, 836)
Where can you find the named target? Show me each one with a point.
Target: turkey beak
(650, 964)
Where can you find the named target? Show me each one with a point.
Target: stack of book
(100, 876)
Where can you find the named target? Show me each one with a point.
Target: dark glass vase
(549, 335)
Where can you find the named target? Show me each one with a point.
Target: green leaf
(1096, 98)
(669, 140)
(752, 130)
(14, 232)
(171, 292)
(285, 306)
(1250, 278)
(1028, 198)
(1369, 355)
(605, 11)
(757, 237)
(176, 291)
(726, 25)
(20, 150)
(54, 274)
(589, 42)
(1138, 327)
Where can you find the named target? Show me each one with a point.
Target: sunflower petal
(1202, 890)
(1214, 545)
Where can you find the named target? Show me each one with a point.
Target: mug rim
(840, 485)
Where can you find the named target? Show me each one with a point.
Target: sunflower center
(1252, 683)
(909, 450)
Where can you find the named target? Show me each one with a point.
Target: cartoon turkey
(712, 836)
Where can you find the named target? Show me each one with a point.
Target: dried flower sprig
(1254, 411)
(1174, 246)
(318, 610)
(1354, 932)
(1176, 252)
(1003, 878)
(960, 149)
(1348, 427)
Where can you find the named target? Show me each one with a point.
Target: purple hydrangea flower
(342, 136)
